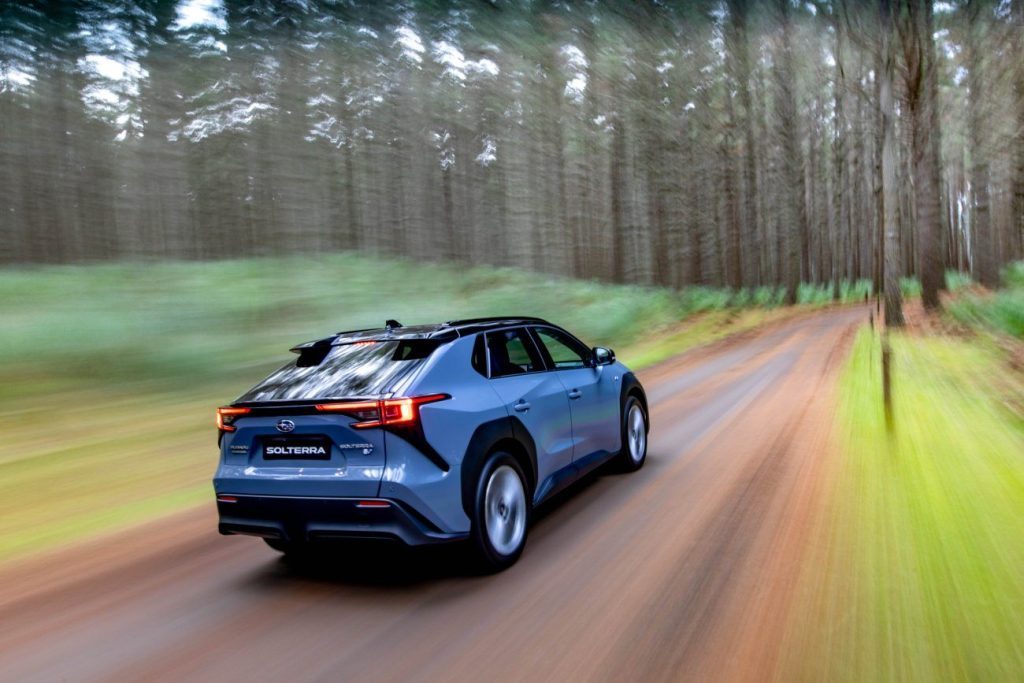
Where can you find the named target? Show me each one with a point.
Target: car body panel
(592, 391)
(547, 419)
(595, 413)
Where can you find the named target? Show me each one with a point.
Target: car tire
(634, 436)
(501, 513)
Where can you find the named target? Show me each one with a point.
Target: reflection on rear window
(348, 370)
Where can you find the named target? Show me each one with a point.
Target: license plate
(296, 448)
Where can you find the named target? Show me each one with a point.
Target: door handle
(575, 394)
(521, 407)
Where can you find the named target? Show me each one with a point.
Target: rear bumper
(312, 519)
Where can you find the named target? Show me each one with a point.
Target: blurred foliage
(1013, 275)
(1002, 310)
(956, 281)
(916, 573)
(910, 287)
(180, 322)
(849, 292)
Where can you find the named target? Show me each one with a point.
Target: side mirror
(603, 356)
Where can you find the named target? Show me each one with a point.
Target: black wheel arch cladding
(631, 387)
(488, 437)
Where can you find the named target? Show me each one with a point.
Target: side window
(564, 352)
(479, 355)
(512, 353)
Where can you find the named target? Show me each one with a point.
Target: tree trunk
(739, 52)
(733, 276)
(890, 189)
(1017, 180)
(618, 190)
(922, 100)
(840, 195)
(793, 220)
(985, 266)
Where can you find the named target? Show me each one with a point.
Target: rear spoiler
(326, 341)
(371, 335)
(313, 353)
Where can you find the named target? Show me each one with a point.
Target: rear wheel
(501, 513)
(634, 436)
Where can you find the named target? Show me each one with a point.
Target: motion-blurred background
(188, 187)
(727, 143)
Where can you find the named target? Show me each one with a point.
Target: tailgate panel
(353, 467)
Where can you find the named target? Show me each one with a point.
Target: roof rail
(494, 319)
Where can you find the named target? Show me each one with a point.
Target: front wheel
(634, 436)
(501, 513)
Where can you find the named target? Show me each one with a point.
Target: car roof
(440, 332)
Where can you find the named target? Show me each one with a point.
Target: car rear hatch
(313, 427)
(298, 450)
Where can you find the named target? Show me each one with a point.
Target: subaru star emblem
(285, 425)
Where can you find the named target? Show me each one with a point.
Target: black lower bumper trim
(311, 519)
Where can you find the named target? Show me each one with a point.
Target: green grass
(1001, 311)
(919, 574)
(700, 329)
(173, 324)
(109, 373)
(910, 287)
(91, 460)
(176, 322)
(957, 281)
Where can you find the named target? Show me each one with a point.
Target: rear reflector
(226, 499)
(373, 504)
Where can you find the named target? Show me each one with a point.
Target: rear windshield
(347, 370)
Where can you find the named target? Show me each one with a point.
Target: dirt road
(682, 571)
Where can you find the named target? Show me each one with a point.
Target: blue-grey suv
(424, 434)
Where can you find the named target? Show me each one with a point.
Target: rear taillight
(226, 417)
(384, 413)
(362, 411)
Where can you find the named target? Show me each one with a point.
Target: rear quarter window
(479, 360)
(346, 370)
